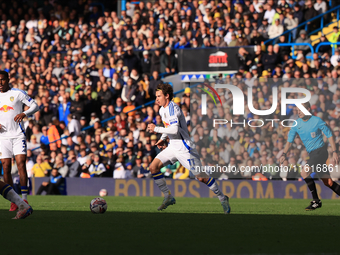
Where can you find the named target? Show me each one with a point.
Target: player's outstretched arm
(285, 151)
(173, 129)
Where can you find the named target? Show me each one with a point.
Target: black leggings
(51, 189)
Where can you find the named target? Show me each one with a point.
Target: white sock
(24, 191)
(15, 198)
(24, 196)
(212, 185)
(161, 183)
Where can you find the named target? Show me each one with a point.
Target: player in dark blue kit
(310, 129)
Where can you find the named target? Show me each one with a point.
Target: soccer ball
(98, 205)
(103, 192)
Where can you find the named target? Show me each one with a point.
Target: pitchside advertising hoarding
(191, 188)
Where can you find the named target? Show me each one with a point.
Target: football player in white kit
(180, 148)
(12, 134)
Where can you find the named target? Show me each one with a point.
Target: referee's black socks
(336, 188)
(311, 185)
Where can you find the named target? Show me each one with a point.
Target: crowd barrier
(298, 44)
(327, 43)
(191, 188)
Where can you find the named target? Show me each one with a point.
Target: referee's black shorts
(317, 161)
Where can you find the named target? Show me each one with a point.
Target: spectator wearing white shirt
(32, 23)
(130, 8)
(291, 22)
(257, 4)
(320, 6)
(29, 38)
(269, 14)
(227, 37)
(29, 166)
(73, 127)
(203, 6)
(275, 30)
(119, 172)
(335, 59)
(82, 157)
(107, 25)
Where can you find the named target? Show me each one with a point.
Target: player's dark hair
(166, 88)
(306, 105)
(4, 73)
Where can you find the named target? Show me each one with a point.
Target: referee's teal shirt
(310, 133)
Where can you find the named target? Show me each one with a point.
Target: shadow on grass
(74, 232)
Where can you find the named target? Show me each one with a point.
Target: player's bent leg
(159, 179)
(213, 186)
(305, 172)
(8, 193)
(193, 163)
(155, 166)
(21, 164)
(328, 182)
(4, 188)
(315, 203)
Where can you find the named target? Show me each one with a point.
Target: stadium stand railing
(326, 43)
(309, 56)
(306, 23)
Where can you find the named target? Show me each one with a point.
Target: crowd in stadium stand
(83, 64)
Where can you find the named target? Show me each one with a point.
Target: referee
(310, 129)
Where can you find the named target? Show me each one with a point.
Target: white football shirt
(11, 104)
(172, 115)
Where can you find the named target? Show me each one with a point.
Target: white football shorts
(178, 151)
(12, 147)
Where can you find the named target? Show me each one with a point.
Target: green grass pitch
(132, 225)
